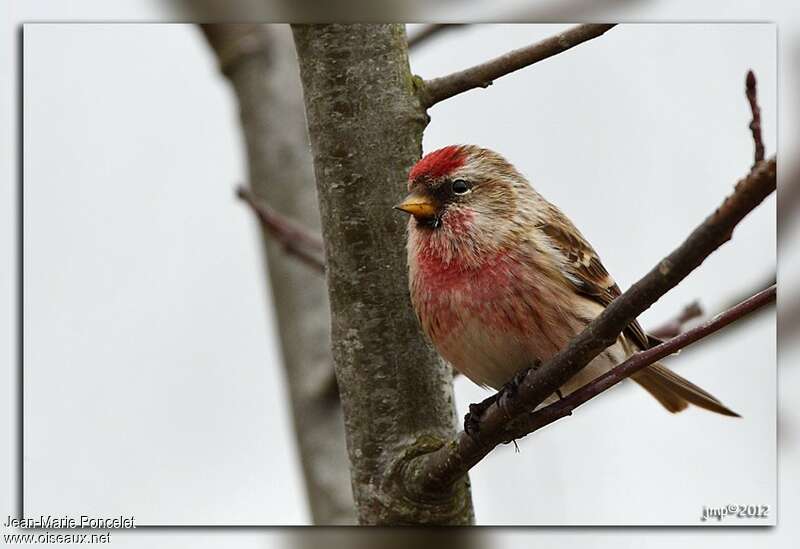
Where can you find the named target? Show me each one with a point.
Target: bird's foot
(500, 398)
(472, 420)
(510, 389)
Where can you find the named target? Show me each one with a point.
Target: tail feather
(662, 393)
(676, 393)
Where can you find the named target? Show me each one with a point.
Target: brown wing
(588, 275)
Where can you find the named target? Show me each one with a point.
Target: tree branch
(675, 326)
(563, 407)
(765, 283)
(294, 238)
(449, 463)
(755, 124)
(427, 32)
(481, 76)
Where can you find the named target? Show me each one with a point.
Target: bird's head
(464, 192)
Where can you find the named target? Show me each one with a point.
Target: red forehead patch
(439, 163)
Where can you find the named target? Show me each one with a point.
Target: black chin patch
(430, 222)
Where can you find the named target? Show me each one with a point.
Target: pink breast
(449, 294)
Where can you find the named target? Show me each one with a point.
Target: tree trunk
(260, 62)
(366, 122)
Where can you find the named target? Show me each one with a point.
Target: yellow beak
(418, 205)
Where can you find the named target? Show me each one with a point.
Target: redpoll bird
(501, 279)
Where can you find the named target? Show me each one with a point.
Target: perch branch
(692, 311)
(481, 76)
(771, 280)
(563, 407)
(294, 239)
(755, 124)
(449, 463)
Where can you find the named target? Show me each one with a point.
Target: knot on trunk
(413, 500)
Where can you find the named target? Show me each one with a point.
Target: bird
(500, 280)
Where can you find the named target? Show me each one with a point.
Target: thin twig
(481, 76)
(294, 238)
(676, 326)
(755, 124)
(765, 283)
(564, 407)
(735, 299)
(428, 31)
(446, 465)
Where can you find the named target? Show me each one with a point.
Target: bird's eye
(460, 186)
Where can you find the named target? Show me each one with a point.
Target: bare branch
(233, 44)
(449, 463)
(734, 299)
(294, 239)
(481, 76)
(428, 31)
(755, 124)
(563, 407)
(675, 326)
(765, 283)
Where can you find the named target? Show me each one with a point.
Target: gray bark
(260, 63)
(366, 122)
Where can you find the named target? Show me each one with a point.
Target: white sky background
(148, 233)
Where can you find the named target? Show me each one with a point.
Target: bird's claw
(508, 391)
(512, 387)
(472, 420)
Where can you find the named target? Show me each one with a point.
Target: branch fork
(483, 75)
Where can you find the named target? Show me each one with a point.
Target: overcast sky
(151, 377)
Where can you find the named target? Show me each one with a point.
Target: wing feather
(585, 270)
